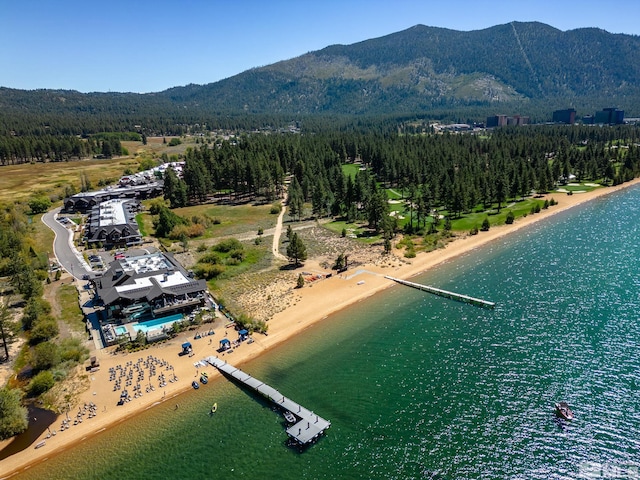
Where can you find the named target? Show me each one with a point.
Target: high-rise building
(567, 116)
(610, 116)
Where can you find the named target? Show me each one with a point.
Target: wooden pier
(308, 426)
(478, 302)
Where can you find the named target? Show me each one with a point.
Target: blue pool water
(121, 330)
(157, 323)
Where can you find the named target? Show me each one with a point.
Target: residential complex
(113, 224)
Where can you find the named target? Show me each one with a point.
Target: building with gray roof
(113, 224)
(148, 286)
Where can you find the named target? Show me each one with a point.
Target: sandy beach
(311, 306)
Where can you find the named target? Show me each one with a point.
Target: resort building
(84, 202)
(147, 287)
(112, 223)
(503, 120)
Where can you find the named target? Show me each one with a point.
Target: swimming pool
(157, 323)
(120, 330)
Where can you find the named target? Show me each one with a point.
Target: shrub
(42, 382)
(46, 355)
(208, 271)
(71, 349)
(237, 255)
(474, 230)
(45, 328)
(35, 308)
(485, 225)
(212, 257)
(410, 253)
(190, 231)
(225, 246)
(232, 261)
(275, 209)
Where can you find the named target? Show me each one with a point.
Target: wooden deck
(309, 425)
(478, 302)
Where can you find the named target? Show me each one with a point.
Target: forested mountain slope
(531, 67)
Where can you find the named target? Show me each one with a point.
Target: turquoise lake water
(420, 387)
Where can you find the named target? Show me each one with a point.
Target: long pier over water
(478, 302)
(308, 426)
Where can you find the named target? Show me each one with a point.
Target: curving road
(66, 254)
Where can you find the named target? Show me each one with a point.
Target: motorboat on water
(203, 379)
(289, 417)
(563, 411)
(214, 408)
(195, 385)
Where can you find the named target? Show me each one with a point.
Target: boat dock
(308, 426)
(478, 302)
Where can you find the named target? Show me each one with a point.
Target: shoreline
(310, 308)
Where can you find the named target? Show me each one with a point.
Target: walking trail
(277, 232)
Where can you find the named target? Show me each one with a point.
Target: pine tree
(296, 250)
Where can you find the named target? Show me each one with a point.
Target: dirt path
(277, 233)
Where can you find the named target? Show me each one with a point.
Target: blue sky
(149, 46)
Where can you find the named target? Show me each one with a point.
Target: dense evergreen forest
(449, 171)
(53, 148)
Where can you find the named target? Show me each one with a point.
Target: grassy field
(233, 220)
(42, 235)
(350, 169)
(70, 313)
(19, 182)
(579, 187)
(463, 223)
(467, 221)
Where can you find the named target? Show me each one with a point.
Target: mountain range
(421, 69)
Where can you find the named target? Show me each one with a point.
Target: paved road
(68, 257)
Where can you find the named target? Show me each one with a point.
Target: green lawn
(350, 169)
(581, 187)
(353, 228)
(467, 221)
(462, 224)
(394, 193)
